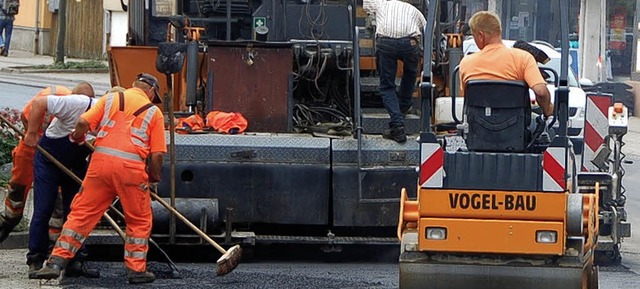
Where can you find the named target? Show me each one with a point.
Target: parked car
(577, 97)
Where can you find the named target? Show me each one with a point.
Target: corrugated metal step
(370, 83)
(375, 121)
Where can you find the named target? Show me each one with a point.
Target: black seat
(498, 113)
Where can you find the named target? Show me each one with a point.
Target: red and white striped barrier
(431, 165)
(553, 166)
(596, 127)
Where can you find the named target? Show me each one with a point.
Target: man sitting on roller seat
(495, 61)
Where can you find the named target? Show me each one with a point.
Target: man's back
(396, 19)
(67, 110)
(497, 62)
(134, 99)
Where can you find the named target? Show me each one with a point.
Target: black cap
(153, 82)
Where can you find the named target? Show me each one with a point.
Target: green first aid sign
(259, 21)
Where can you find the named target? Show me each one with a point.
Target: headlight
(580, 113)
(436, 233)
(546, 236)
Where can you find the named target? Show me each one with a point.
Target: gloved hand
(79, 141)
(152, 187)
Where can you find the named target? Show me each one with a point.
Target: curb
(33, 70)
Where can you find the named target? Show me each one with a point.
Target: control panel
(618, 119)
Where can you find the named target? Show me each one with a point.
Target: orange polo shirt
(497, 62)
(134, 98)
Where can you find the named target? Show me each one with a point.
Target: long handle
(187, 222)
(68, 172)
(72, 175)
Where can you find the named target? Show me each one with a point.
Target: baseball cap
(153, 82)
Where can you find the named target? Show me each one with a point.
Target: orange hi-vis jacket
(227, 122)
(130, 128)
(145, 121)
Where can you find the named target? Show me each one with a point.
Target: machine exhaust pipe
(192, 73)
(201, 211)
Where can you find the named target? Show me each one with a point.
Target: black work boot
(397, 134)
(78, 268)
(8, 220)
(54, 267)
(6, 226)
(406, 111)
(140, 277)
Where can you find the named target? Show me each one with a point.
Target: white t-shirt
(67, 110)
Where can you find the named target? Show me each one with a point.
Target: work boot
(51, 271)
(397, 134)
(34, 267)
(6, 226)
(406, 111)
(54, 267)
(140, 277)
(79, 269)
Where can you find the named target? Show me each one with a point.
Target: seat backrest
(498, 114)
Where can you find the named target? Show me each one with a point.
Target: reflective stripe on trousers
(135, 250)
(70, 241)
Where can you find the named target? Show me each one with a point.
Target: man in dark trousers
(48, 178)
(8, 10)
(129, 148)
(399, 28)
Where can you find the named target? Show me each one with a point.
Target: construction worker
(130, 131)
(496, 61)
(48, 178)
(398, 31)
(22, 171)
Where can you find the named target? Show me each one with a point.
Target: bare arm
(25, 121)
(154, 166)
(543, 98)
(82, 127)
(38, 109)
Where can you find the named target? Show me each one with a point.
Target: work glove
(153, 187)
(79, 141)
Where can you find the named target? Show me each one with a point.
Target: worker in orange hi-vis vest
(130, 131)
(22, 171)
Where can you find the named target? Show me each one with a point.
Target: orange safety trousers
(115, 170)
(20, 184)
(21, 175)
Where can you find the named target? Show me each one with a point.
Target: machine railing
(426, 81)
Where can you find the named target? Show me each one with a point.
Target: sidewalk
(16, 69)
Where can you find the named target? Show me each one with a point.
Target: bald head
(84, 88)
(116, 89)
